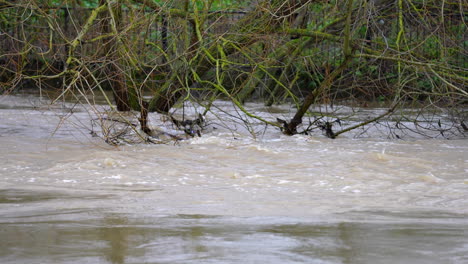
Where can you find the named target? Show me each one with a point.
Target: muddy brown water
(66, 197)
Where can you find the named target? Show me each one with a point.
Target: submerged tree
(155, 55)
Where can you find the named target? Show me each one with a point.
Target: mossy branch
(79, 38)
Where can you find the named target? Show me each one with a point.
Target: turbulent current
(224, 197)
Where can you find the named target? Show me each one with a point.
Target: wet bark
(113, 71)
(144, 118)
(291, 127)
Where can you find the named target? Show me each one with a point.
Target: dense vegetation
(155, 55)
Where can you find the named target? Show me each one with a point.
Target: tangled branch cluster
(407, 57)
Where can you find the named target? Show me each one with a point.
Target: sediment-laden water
(225, 197)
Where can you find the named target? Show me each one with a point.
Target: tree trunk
(291, 127)
(113, 71)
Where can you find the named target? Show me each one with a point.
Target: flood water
(66, 197)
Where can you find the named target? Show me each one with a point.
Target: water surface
(66, 197)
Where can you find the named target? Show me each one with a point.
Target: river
(67, 197)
